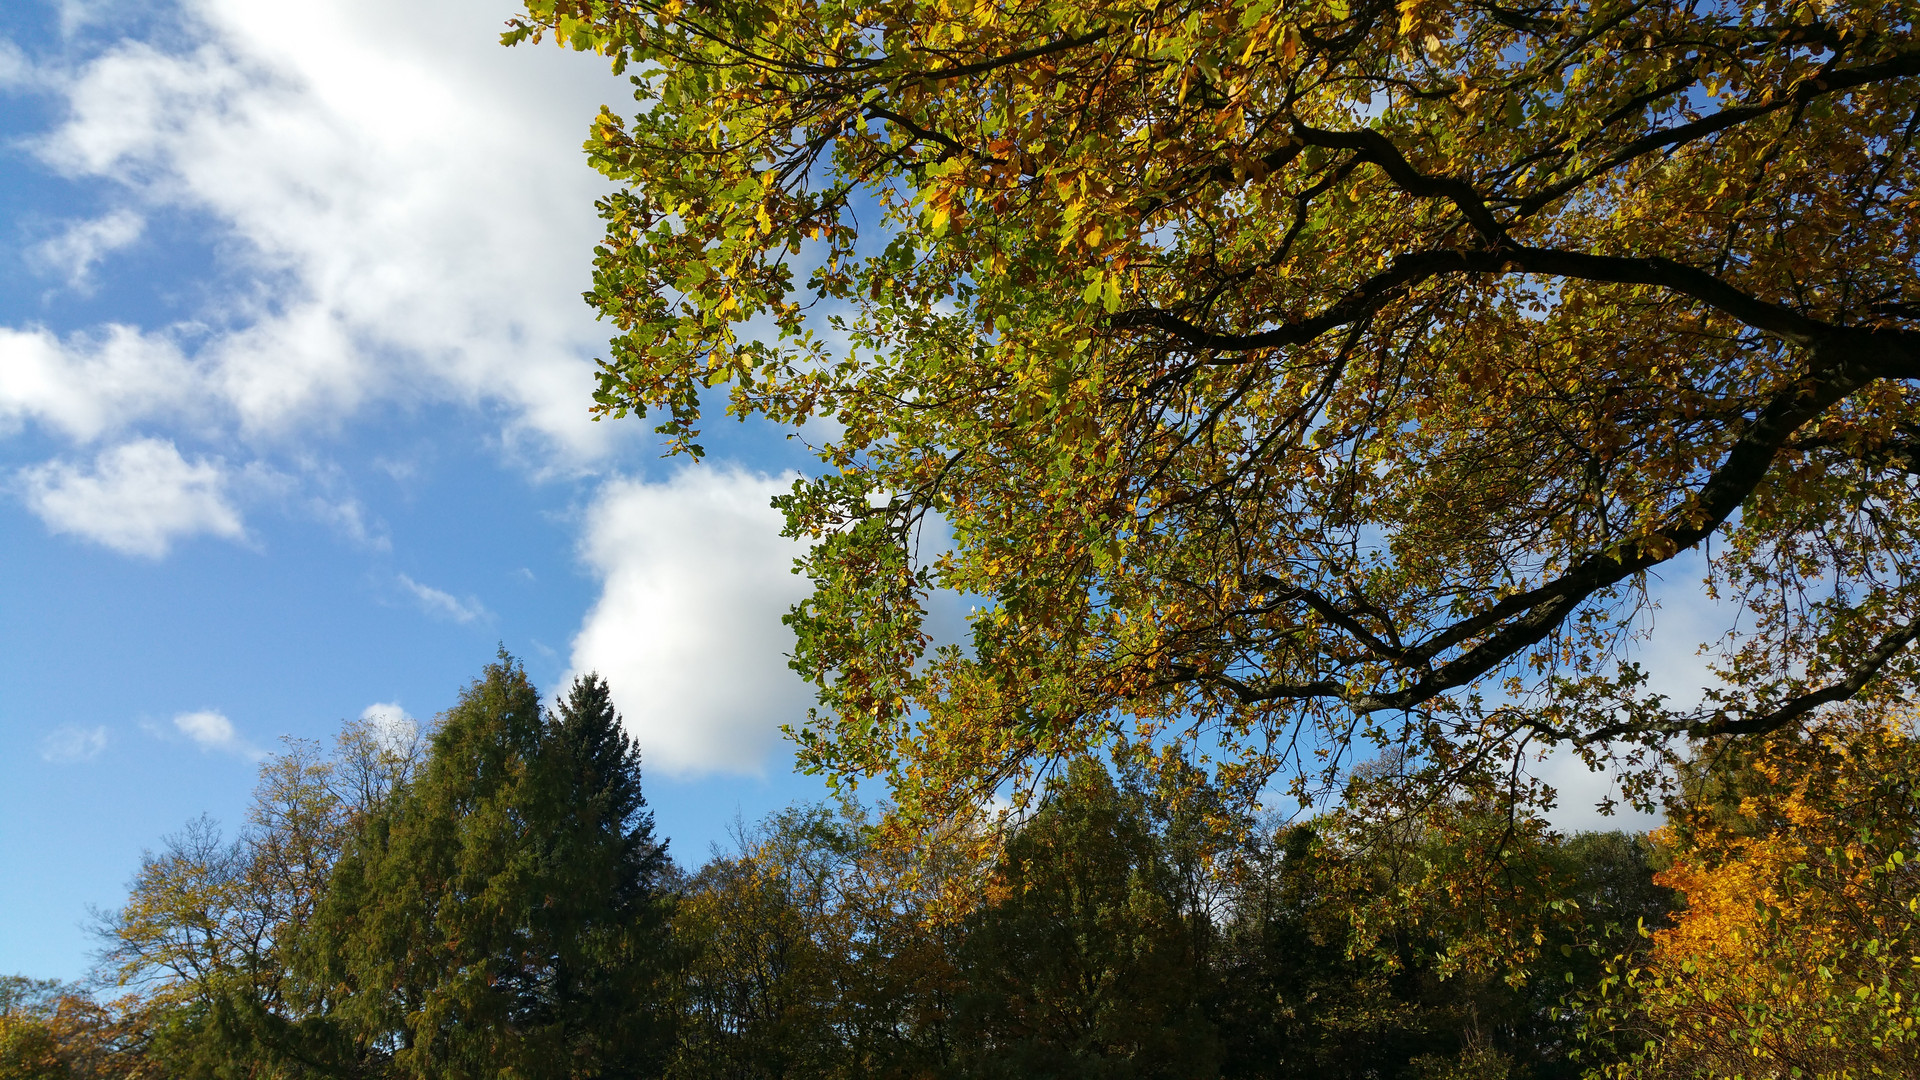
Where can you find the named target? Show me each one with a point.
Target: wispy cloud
(77, 249)
(349, 519)
(68, 744)
(15, 69)
(443, 604)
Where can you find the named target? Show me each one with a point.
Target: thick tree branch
(1376, 148)
(1764, 722)
(1857, 677)
(1412, 269)
(1901, 65)
(1523, 620)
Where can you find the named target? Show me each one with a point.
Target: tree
(817, 950)
(28, 1047)
(54, 1031)
(1363, 944)
(761, 995)
(205, 937)
(1079, 964)
(502, 912)
(1798, 950)
(603, 918)
(1285, 371)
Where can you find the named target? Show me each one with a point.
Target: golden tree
(1798, 950)
(1285, 371)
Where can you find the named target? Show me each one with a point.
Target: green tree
(1374, 942)
(1286, 369)
(602, 918)
(502, 912)
(1080, 964)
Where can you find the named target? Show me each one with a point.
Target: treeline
(487, 899)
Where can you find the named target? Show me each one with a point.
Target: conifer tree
(604, 920)
(502, 916)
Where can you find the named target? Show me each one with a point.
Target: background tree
(603, 917)
(818, 951)
(28, 1048)
(1440, 945)
(1079, 964)
(1287, 371)
(502, 910)
(207, 936)
(56, 1031)
(760, 993)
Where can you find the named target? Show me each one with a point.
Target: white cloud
(443, 604)
(92, 384)
(1670, 654)
(400, 213)
(405, 200)
(349, 519)
(211, 730)
(15, 70)
(694, 578)
(1581, 793)
(391, 723)
(67, 743)
(136, 498)
(73, 253)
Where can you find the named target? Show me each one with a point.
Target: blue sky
(293, 384)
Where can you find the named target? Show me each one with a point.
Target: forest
(486, 898)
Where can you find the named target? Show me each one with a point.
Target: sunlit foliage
(1287, 371)
(1798, 950)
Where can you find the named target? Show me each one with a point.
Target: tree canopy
(1797, 947)
(1284, 373)
(487, 899)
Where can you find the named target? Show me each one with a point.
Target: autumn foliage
(1285, 372)
(1798, 950)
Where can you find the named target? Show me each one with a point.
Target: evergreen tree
(504, 915)
(603, 925)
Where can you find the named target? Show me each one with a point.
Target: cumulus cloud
(136, 498)
(67, 744)
(211, 730)
(407, 207)
(74, 252)
(400, 213)
(694, 578)
(89, 385)
(443, 604)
